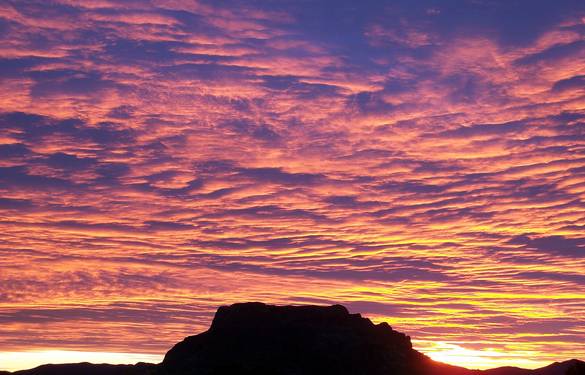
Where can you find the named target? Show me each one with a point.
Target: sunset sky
(420, 162)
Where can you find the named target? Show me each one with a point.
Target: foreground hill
(571, 367)
(90, 369)
(259, 339)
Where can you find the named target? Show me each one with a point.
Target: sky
(420, 162)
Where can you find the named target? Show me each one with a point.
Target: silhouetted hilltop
(254, 338)
(259, 339)
(571, 367)
(508, 370)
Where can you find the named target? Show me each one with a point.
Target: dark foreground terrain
(259, 339)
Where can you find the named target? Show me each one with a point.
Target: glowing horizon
(422, 163)
(438, 351)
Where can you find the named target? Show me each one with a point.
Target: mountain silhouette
(571, 367)
(258, 339)
(89, 369)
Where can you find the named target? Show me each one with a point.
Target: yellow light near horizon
(456, 355)
(13, 361)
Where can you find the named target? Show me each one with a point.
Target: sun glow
(479, 359)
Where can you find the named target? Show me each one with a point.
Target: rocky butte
(259, 339)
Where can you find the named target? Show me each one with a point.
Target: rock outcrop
(254, 338)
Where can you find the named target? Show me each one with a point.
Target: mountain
(571, 367)
(253, 338)
(259, 339)
(90, 369)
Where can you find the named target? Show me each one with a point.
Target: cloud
(66, 161)
(552, 54)
(14, 204)
(14, 150)
(277, 175)
(270, 212)
(19, 177)
(576, 82)
(559, 245)
(19, 67)
(70, 82)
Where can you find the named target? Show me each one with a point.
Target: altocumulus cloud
(422, 163)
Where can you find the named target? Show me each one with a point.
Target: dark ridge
(259, 339)
(85, 368)
(570, 367)
(508, 370)
(254, 338)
